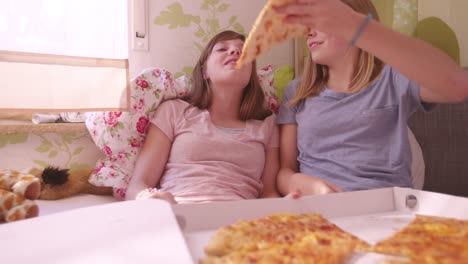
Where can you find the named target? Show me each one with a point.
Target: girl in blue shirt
(344, 123)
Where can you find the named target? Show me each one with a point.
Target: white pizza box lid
(371, 215)
(152, 231)
(143, 231)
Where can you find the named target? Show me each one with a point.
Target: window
(64, 55)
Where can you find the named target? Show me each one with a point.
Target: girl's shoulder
(290, 89)
(393, 80)
(266, 124)
(390, 74)
(260, 130)
(172, 109)
(292, 86)
(177, 103)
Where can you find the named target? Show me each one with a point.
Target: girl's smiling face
(326, 49)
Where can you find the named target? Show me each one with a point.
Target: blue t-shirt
(356, 141)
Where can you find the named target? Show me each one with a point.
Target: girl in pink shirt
(218, 144)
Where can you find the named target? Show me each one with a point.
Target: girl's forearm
(270, 194)
(133, 190)
(284, 180)
(137, 185)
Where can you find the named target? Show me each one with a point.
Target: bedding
(47, 207)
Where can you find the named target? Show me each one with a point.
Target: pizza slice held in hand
(268, 31)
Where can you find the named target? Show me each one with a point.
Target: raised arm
(440, 78)
(150, 163)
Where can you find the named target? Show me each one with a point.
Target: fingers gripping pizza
(268, 31)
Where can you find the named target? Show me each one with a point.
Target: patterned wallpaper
(401, 15)
(72, 149)
(180, 29)
(453, 14)
(405, 16)
(175, 18)
(441, 23)
(385, 10)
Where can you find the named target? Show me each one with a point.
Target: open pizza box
(152, 231)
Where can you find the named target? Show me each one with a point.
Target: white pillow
(417, 165)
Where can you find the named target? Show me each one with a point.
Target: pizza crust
(269, 30)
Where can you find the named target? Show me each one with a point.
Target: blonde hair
(315, 76)
(253, 104)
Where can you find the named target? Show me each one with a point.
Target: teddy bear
(18, 191)
(57, 183)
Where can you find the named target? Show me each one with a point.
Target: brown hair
(253, 104)
(315, 76)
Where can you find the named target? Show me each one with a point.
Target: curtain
(64, 55)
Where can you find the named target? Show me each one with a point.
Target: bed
(76, 202)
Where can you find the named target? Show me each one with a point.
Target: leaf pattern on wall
(207, 25)
(7, 139)
(61, 144)
(66, 149)
(439, 34)
(405, 16)
(385, 11)
(175, 17)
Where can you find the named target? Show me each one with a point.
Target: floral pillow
(120, 135)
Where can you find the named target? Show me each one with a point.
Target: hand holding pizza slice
(269, 30)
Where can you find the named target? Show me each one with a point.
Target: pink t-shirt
(207, 163)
